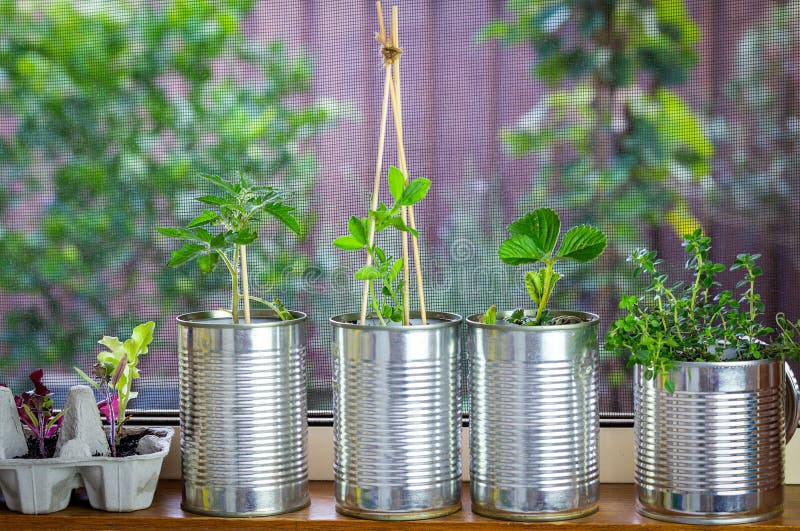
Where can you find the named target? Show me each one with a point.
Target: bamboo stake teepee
(391, 51)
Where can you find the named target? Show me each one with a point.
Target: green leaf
(582, 244)
(111, 343)
(397, 183)
(204, 235)
(219, 182)
(397, 266)
(520, 250)
(54, 418)
(415, 192)
(243, 237)
(357, 230)
(535, 284)
(30, 414)
(284, 214)
(397, 223)
(188, 252)
(490, 316)
(368, 273)
(180, 234)
(208, 262)
(543, 225)
(216, 200)
(348, 243)
(142, 335)
(86, 378)
(207, 217)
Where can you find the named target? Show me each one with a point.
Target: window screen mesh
(109, 109)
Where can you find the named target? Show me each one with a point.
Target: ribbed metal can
(243, 414)
(534, 419)
(397, 418)
(712, 451)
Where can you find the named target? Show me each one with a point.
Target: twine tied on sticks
(391, 52)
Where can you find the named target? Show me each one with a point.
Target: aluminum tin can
(534, 419)
(243, 414)
(397, 418)
(712, 452)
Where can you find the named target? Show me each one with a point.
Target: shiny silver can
(712, 451)
(397, 418)
(534, 419)
(243, 414)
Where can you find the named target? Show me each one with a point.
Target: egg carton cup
(114, 484)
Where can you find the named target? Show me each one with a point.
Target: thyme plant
(696, 321)
(533, 241)
(239, 206)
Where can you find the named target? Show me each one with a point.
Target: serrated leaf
(348, 243)
(243, 237)
(216, 200)
(204, 235)
(415, 191)
(188, 252)
(219, 182)
(208, 262)
(520, 250)
(357, 230)
(179, 234)
(283, 213)
(397, 183)
(535, 284)
(368, 273)
(207, 217)
(543, 225)
(582, 244)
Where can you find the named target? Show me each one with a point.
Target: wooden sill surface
(616, 512)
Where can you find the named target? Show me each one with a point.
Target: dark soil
(33, 448)
(125, 448)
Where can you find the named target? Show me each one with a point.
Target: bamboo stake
(245, 284)
(395, 39)
(377, 185)
(397, 108)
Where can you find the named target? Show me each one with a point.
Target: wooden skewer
(377, 184)
(395, 39)
(397, 109)
(245, 284)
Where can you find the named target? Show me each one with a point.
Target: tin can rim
(444, 320)
(726, 363)
(590, 319)
(191, 319)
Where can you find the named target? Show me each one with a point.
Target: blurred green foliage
(108, 109)
(613, 145)
(761, 137)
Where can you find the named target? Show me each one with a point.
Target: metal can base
(535, 517)
(391, 516)
(223, 514)
(708, 518)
